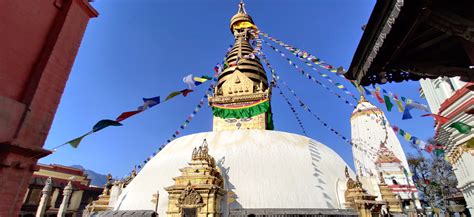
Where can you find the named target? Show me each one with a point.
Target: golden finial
(362, 98)
(242, 7)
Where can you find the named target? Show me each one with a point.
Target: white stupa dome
(263, 170)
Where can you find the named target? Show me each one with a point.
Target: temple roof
(410, 40)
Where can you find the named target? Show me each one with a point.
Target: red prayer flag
(395, 128)
(429, 148)
(377, 95)
(185, 92)
(126, 115)
(438, 118)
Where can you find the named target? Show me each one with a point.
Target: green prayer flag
(461, 127)
(105, 123)
(75, 142)
(438, 152)
(401, 132)
(173, 94)
(388, 103)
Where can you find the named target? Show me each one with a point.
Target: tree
(434, 177)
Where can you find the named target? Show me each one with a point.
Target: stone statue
(108, 185)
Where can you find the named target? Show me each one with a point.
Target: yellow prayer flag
(198, 79)
(407, 136)
(399, 105)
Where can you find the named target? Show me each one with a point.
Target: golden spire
(243, 80)
(241, 57)
(362, 98)
(240, 16)
(241, 7)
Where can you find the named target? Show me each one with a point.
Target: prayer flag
(418, 106)
(407, 136)
(406, 112)
(395, 128)
(439, 152)
(185, 92)
(388, 103)
(189, 81)
(126, 115)
(438, 118)
(340, 71)
(200, 80)
(75, 142)
(340, 86)
(399, 103)
(414, 140)
(172, 95)
(461, 127)
(377, 95)
(429, 148)
(149, 102)
(401, 132)
(105, 123)
(422, 145)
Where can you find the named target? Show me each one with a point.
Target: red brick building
(39, 40)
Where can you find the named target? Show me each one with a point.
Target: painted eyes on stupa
(233, 120)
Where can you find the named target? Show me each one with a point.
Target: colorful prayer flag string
(308, 59)
(325, 76)
(276, 78)
(292, 108)
(184, 124)
(312, 78)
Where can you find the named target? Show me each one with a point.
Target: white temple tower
(374, 142)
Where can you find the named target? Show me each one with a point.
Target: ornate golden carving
(358, 198)
(189, 198)
(457, 152)
(200, 186)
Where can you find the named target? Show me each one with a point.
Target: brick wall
(39, 41)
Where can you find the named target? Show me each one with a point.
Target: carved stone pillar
(65, 203)
(48, 186)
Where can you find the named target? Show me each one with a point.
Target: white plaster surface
(265, 169)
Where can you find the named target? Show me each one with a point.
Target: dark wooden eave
(414, 39)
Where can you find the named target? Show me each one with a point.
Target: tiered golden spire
(241, 57)
(243, 83)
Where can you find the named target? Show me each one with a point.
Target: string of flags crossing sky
(147, 103)
(309, 60)
(293, 110)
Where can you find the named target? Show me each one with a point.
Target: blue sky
(143, 48)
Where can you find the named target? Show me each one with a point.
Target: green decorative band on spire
(245, 112)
